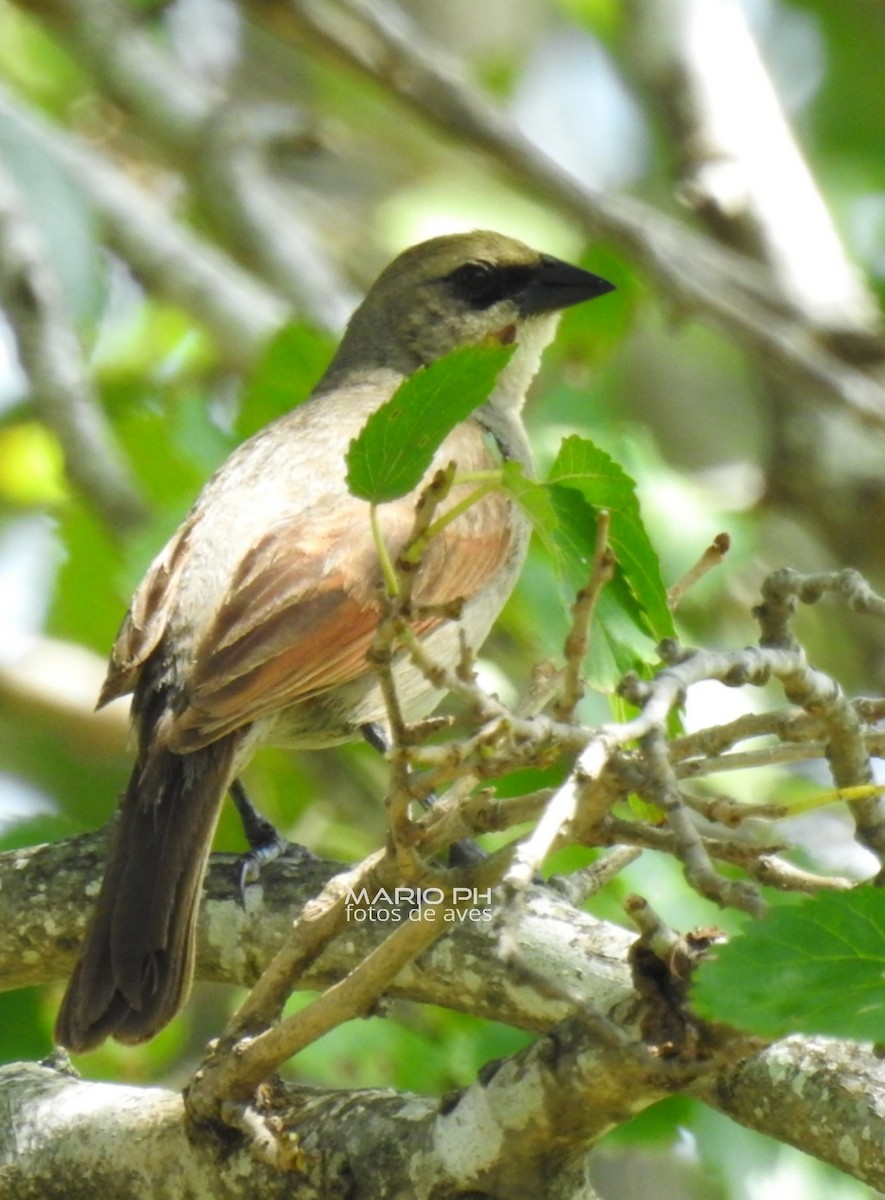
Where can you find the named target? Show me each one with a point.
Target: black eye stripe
(481, 285)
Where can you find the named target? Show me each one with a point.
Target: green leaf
(575, 535)
(817, 967)
(621, 638)
(536, 502)
(603, 484)
(286, 374)
(618, 642)
(398, 442)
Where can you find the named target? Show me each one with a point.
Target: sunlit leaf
(604, 485)
(817, 968)
(398, 442)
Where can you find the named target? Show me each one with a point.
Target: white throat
(534, 336)
(501, 412)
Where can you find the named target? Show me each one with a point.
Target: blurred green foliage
(678, 408)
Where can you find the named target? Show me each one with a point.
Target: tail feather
(135, 968)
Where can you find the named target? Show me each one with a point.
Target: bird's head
(459, 290)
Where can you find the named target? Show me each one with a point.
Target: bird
(252, 625)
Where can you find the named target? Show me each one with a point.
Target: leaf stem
(413, 553)
(495, 475)
(387, 568)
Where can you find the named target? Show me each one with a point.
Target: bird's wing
(301, 612)
(145, 621)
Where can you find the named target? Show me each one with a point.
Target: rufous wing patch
(300, 616)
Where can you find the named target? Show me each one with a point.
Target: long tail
(135, 968)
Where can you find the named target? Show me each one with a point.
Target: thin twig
(712, 557)
(662, 790)
(763, 863)
(235, 1076)
(318, 922)
(580, 885)
(560, 810)
(846, 749)
(395, 629)
(576, 642)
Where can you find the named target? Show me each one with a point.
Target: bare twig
(712, 557)
(722, 810)
(319, 921)
(846, 750)
(580, 885)
(663, 790)
(562, 808)
(788, 725)
(762, 863)
(783, 588)
(577, 639)
(655, 932)
(395, 628)
(236, 1075)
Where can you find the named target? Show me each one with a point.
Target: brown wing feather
(301, 613)
(146, 619)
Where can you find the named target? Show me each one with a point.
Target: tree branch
(821, 1095)
(741, 168)
(462, 972)
(45, 919)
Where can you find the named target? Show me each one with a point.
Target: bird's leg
(463, 853)
(265, 842)
(376, 736)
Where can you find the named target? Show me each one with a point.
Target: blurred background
(193, 195)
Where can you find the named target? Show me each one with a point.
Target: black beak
(557, 284)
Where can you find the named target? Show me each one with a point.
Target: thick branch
(821, 1095)
(494, 1139)
(43, 889)
(45, 918)
(741, 166)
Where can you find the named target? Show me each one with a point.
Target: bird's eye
(480, 285)
(472, 272)
(471, 278)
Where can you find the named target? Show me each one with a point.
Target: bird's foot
(265, 841)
